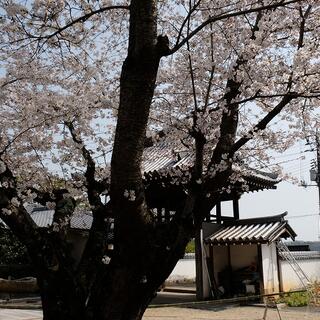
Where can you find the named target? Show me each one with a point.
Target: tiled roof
(162, 157)
(43, 218)
(313, 245)
(302, 255)
(259, 230)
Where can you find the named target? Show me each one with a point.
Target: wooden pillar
(199, 264)
(230, 272)
(210, 266)
(236, 208)
(218, 212)
(279, 270)
(260, 268)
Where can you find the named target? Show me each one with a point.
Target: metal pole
(318, 180)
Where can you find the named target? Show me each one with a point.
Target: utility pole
(315, 176)
(318, 179)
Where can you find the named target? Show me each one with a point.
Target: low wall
(290, 280)
(16, 271)
(185, 270)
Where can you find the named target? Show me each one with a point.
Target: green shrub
(12, 251)
(297, 299)
(190, 248)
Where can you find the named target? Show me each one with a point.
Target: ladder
(271, 303)
(286, 254)
(304, 279)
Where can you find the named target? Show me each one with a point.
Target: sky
(301, 203)
(296, 200)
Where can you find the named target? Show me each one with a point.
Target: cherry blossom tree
(85, 85)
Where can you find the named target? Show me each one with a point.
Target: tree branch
(187, 19)
(303, 16)
(226, 16)
(262, 124)
(93, 195)
(206, 101)
(78, 20)
(229, 122)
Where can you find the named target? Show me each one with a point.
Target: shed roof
(257, 230)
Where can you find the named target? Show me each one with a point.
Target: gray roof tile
(43, 218)
(263, 230)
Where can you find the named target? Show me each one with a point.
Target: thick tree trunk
(60, 297)
(121, 291)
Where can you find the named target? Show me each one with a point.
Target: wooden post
(218, 212)
(210, 266)
(260, 268)
(230, 272)
(279, 270)
(199, 265)
(236, 208)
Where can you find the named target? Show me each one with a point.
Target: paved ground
(205, 311)
(17, 314)
(227, 313)
(169, 313)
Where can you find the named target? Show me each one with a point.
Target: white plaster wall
(184, 269)
(207, 230)
(270, 268)
(220, 259)
(289, 278)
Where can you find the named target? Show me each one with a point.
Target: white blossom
(6, 211)
(55, 227)
(106, 259)
(144, 279)
(5, 184)
(130, 195)
(3, 167)
(15, 202)
(51, 205)
(126, 193)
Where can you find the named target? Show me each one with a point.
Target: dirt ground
(230, 313)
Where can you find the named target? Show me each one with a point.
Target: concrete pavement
(18, 314)
(220, 313)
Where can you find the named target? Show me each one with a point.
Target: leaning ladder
(304, 279)
(286, 254)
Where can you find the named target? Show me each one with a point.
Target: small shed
(240, 257)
